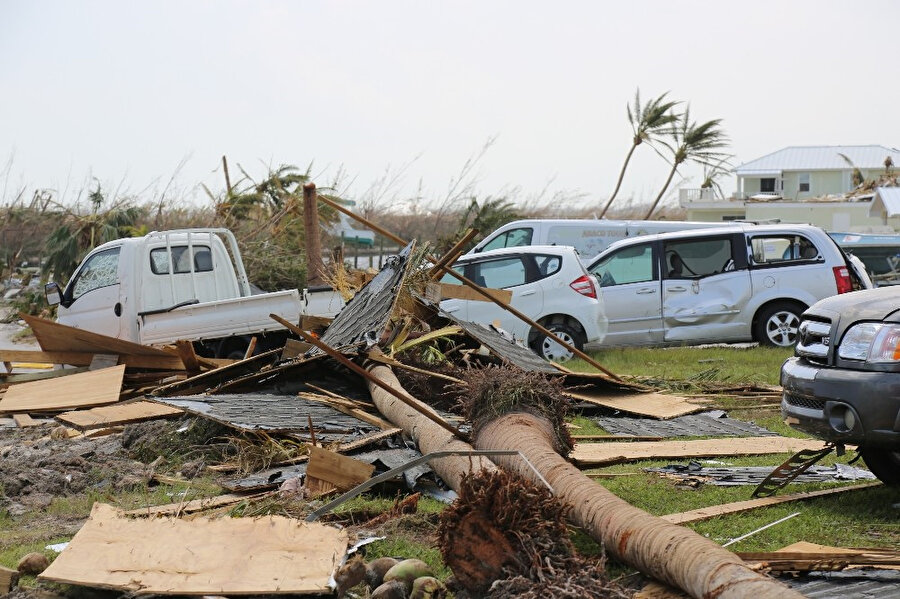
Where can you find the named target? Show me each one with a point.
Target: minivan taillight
(842, 279)
(585, 286)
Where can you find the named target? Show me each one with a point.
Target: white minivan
(740, 283)
(588, 236)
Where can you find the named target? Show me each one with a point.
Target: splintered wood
(118, 414)
(224, 556)
(596, 454)
(655, 405)
(92, 388)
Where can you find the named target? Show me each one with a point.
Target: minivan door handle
(678, 289)
(524, 293)
(646, 290)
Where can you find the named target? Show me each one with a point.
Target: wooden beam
(341, 471)
(80, 358)
(409, 401)
(186, 353)
(705, 513)
(436, 292)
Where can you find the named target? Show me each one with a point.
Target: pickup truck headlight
(871, 342)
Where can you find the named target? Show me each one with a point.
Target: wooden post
(315, 267)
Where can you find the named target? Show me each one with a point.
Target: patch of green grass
(758, 365)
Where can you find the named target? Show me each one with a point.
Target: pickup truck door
(93, 295)
(630, 285)
(705, 290)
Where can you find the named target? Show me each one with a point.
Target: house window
(767, 185)
(804, 182)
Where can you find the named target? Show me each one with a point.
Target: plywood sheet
(342, 472)
(596, 454)
(52, 336)
(654, 405)
(118, 414)
(223, 556)
(85, 389)
(705, 513)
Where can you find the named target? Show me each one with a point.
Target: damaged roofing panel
(753, 475)
(697, 425)
(274, 413)
(502, 347)
(366, 315)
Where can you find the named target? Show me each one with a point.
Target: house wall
(724, 211)
(831, 216)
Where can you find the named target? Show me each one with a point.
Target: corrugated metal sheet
(813, 158)
(887, 199)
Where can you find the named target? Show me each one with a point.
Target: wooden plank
(705, 513)
(52, 336)
(170, 556)
(85, 389)
(368, 440)
(341, 471)
(16, 379)
(655, 405)
(115, 415)
(100, 361)
(595, 454)
(293, 348)
(187, 355)
(9, 578)
(812, 556)
(25, 420)
(436, 292)
(80, 358)
(196, 505)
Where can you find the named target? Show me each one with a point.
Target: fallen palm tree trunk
(668, 552)
(428, 435)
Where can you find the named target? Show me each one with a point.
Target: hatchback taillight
(585, 286)
(842, 279)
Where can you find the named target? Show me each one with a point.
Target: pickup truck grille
(814, 340)
(801, 401)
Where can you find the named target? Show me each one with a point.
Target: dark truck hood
(881, 304)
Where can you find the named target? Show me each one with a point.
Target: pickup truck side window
(159, 259)
(510, 239)
(697, 258)
(778, 249)
(633, 264)
(100, 270)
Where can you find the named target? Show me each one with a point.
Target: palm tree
(649, 121)
(698, 143)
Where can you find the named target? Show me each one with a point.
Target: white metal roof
(887, 200)
(815, 158)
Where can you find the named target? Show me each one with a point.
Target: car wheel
(884, 463)
(551, 350)
(778, 325)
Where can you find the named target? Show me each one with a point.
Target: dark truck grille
(814, 340)
(801, 401)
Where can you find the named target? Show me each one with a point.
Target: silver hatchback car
(740, 283)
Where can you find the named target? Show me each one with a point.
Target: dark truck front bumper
(817, 399)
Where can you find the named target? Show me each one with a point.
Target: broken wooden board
(200, 557)
(654, 405)
(196, 505)
(596, 454)
(804, 556)
(705, 513)
(115, 415)
(436, 292)
(342, 472)
(25, 420)
(82, 358)
(85, 389)
(9, 579)
(52, 336)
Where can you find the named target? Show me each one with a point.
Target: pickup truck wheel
(778, 324)
(553, 351)
(884, 463)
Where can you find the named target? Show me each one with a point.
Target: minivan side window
(498, 274)
(634, 264)
(771, 249)
(510, 239)
(696, 258)
(100, 270)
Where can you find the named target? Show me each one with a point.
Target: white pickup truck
(181, 284)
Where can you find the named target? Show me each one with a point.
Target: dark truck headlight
(872, 342)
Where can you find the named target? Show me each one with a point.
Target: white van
(588, 237)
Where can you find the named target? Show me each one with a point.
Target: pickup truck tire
(884, 463)
(778, 324)
(550, 350)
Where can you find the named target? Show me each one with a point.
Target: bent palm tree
(647, 122)
(698, 143)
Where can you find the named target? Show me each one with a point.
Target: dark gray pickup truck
(843, 384)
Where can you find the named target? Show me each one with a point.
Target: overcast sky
(126, 91)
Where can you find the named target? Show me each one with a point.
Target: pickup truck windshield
(100, 270)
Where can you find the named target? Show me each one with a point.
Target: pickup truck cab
(843, 384)
(722, 285)
(183, 284)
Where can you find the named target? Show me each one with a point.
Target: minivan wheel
(553, 351)
(884, 463)
(778, 324)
